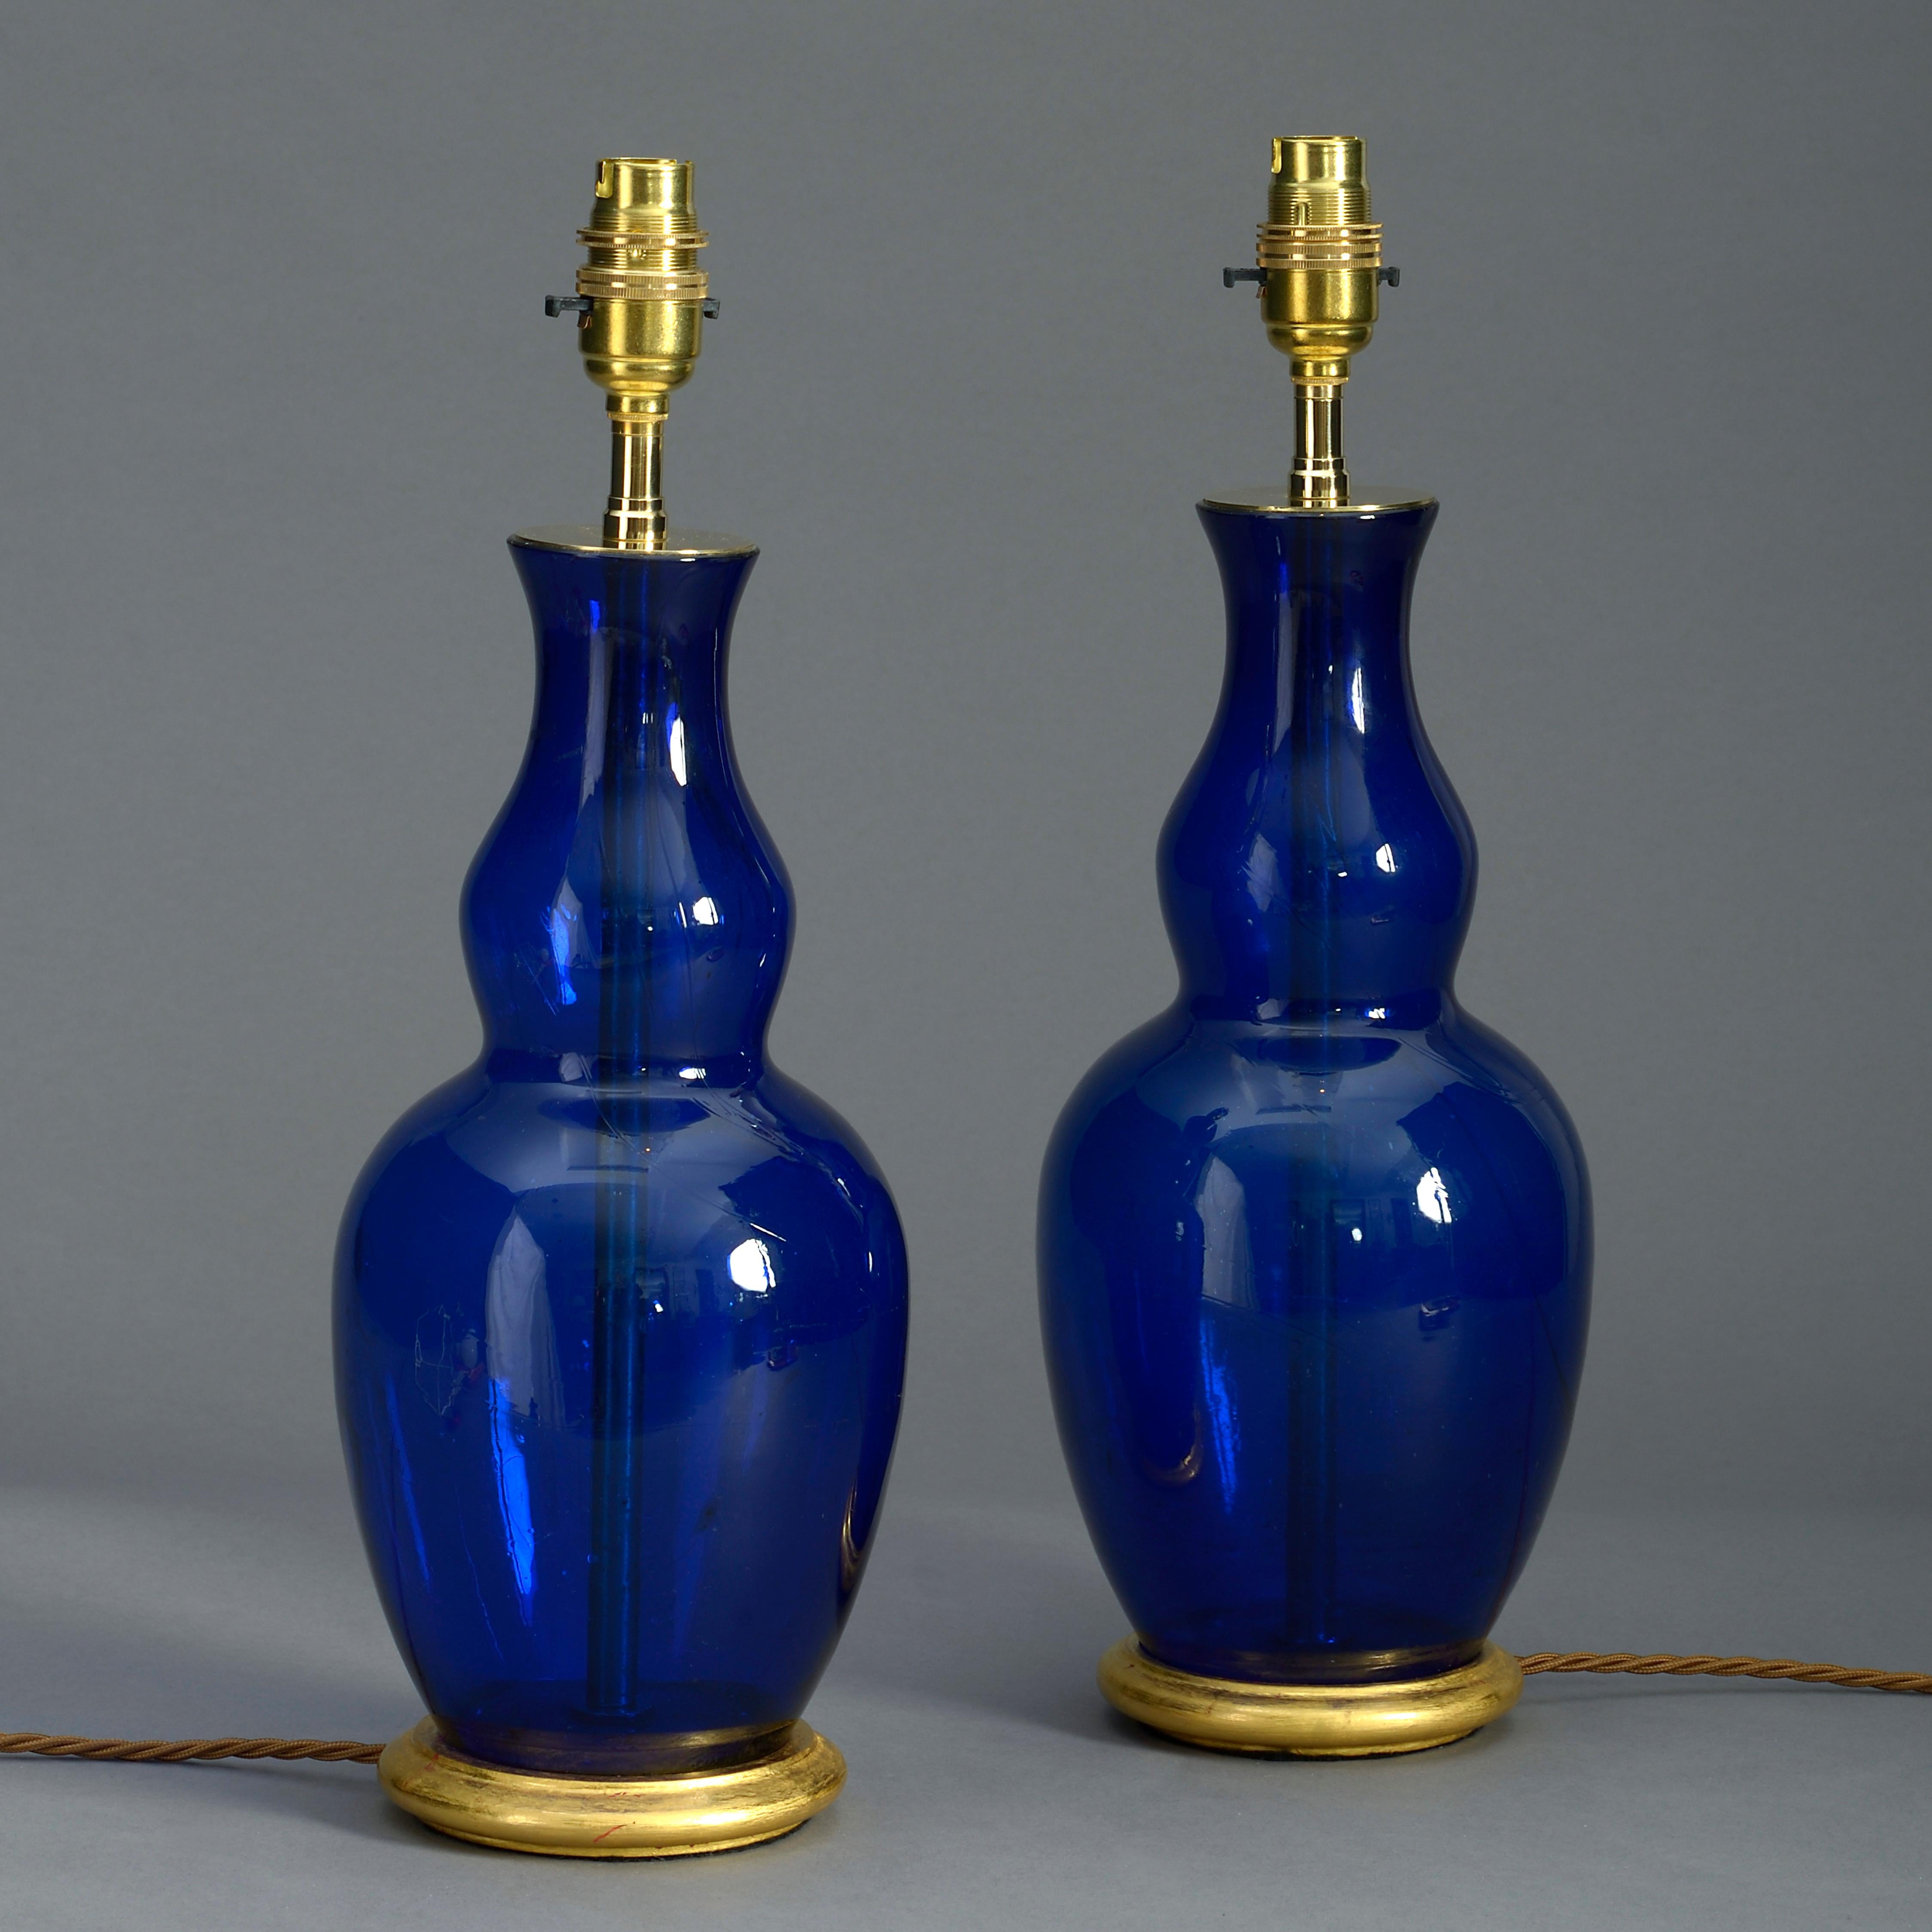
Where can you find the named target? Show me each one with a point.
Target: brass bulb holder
(640, 326)
(1319, 257)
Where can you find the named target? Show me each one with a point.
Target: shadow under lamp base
(611, 1817)
(1310, 1720)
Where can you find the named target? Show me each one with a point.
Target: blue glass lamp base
(611, 1817)
(1371, 1720)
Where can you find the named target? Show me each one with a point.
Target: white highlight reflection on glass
(1433, 1198)
(1227, 1259)
(1355, 707)
(520, 1338)
(751, 1267)
(676, 746)
(705, 911)
(1385, 857)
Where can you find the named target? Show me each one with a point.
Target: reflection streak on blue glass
(405, 1491)
(513, 1492)
(1222, 1426)
(562, 940)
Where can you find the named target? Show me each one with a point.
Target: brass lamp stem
(634, 518)
(643, 299)
(1318, 475)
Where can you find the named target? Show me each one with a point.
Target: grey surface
(989, 1783)
(277, 385)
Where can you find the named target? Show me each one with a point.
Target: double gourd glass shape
(620, 1311)
(1315, 1245)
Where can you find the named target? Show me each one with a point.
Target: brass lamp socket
(1320, 257)
(641, 326)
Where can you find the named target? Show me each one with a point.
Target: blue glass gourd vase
(1314, 1243)
(620, 1311)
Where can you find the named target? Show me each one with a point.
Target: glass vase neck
(627, 918)
(1317, 867)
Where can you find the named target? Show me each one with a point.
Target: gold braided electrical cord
(187, 1750)
(1778, 1669)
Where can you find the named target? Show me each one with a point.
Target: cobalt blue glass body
(1314, 1244)
(620, 1312)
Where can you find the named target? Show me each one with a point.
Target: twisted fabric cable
(1668, 1663)
(1598, 1663)
(185, 1751)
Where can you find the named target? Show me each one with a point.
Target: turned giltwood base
(1310, 1720)
(611, 1817)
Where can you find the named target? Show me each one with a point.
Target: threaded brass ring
(1281, 245)
(644, 284)
(636, 241)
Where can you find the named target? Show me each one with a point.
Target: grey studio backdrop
(277, 386)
